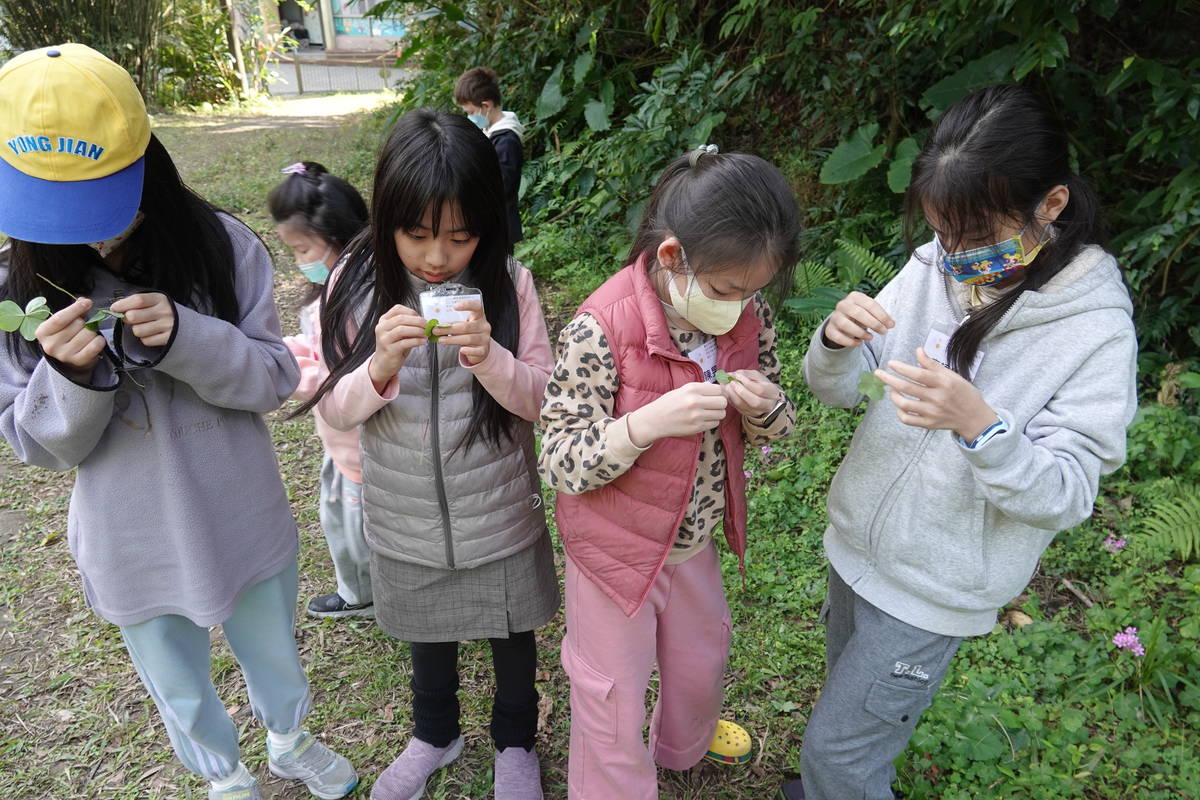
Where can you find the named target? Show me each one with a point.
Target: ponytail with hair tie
(702, 150)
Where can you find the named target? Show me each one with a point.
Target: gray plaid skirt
(415, 603)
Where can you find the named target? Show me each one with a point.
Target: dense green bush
(126, 32)
(178, 51)
(840, 94)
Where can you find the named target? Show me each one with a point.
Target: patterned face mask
(108, 245)
(982, 266)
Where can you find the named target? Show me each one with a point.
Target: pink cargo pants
(684, 626)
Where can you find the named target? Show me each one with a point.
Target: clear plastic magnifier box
(440, 301)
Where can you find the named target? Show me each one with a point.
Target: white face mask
(714, 317)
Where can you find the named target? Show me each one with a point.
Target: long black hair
(727, 210)
(319, 203)
(181, 248)
(990, 160)
(431, 159)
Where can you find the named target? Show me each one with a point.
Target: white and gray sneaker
(236, 793)
(326, 774)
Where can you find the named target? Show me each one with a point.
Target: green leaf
(723, 377)
(93, 322)
(821, 300)
(870, 386)
(34, 304)
(981, 72)
(1073, 719)
(429, 334)
(704, 128)
(583, 65)
(853, 157)
(29, 326)
(596, 114)
(11, 316)
(608, 93)
(1190, 380)
(989, 748)
(900, 170)
(551, 100)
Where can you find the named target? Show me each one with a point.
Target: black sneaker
(332, 605)
(792, 790)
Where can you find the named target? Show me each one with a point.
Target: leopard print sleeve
(583, 446)
(770, 366)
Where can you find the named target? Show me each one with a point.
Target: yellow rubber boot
(730, 745)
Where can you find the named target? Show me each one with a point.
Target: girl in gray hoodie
(178, 520)
(1009, 354)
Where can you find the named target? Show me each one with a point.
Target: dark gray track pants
(882, 673)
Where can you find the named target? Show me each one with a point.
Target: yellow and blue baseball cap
(73, 135)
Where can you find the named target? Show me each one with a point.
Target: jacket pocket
(593, 707)
(896, 705)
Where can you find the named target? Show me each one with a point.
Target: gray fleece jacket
(941, 536)
(178, 506)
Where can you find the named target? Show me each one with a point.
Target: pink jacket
(620, 534)
(341, 445)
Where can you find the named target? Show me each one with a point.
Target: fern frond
(1176, 522)
(810, 275)
(858, 264)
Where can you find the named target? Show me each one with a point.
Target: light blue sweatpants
(171, 655)
(342, 523)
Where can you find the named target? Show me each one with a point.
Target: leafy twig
(93, 323)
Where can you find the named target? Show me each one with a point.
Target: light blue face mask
(480, 121)
(315, 271)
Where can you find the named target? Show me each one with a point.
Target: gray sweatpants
(882, 673)
(171, 655)
(342, 522)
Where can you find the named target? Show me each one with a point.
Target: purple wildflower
(747, 473)
(1114, 545)
(766, 449)
(1128, 640)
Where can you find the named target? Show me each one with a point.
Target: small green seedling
(98, 316)
(429, 334)
(870, 385)
(25, 321)
(93, 323)
(724, 377)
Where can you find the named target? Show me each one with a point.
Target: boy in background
(477, 92)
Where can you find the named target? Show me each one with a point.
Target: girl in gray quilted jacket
(452, 503)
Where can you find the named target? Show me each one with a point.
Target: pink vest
(620, 534)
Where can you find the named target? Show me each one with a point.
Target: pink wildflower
(1128, 640)
(1114, 545)
(766, 449)
(747, 473)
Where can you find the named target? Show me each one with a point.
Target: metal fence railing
(333, 74)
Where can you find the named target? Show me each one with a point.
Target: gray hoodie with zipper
(941, 536)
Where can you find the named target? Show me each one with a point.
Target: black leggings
(514, 706)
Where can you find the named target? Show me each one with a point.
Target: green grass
(75, 721)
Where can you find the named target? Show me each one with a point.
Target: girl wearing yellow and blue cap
(178, 519)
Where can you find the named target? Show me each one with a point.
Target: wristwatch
(769, 418)
(990, 432)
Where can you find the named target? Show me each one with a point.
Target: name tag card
(706, 356)
(937, 347)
